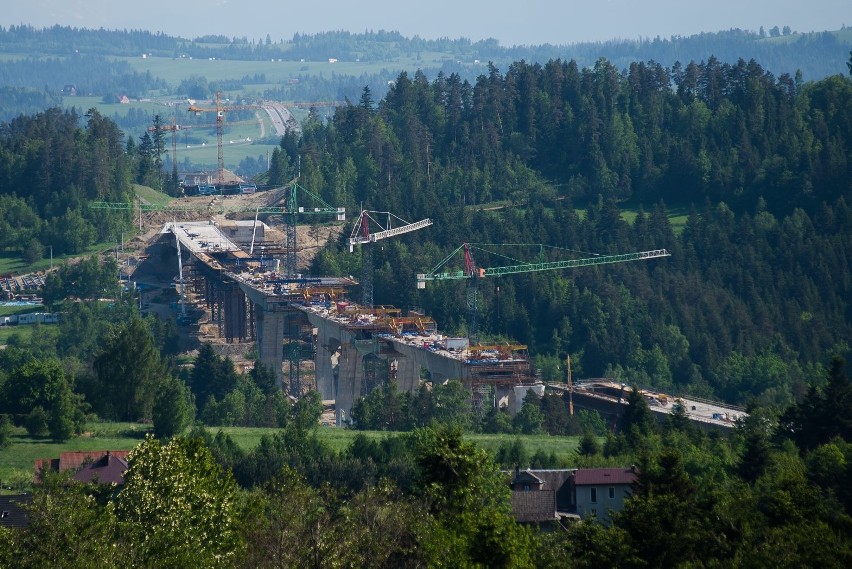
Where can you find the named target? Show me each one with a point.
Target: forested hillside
(50, 169)
(757, 288)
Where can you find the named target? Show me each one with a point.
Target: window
(612, 493)
(526, 487)
(594, 495)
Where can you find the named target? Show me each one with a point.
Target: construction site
(230, 272)
(227, 282)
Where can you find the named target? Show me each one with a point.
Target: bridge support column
(235, 315)
(350, 375)
(270, 339)
(407, 374)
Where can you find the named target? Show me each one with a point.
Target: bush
(36, 422)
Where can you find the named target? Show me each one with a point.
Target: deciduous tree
(177, 507)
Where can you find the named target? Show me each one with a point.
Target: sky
(516, 22)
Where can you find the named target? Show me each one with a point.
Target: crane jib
(534, 267)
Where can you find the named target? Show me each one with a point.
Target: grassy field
(16, 461)
(6, 332)
(9, 310)
(174, 70)
(13, 263)
(151, 196)
(677, 215)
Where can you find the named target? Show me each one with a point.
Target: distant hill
(817, 54)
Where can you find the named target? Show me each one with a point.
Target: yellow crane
(220, 111)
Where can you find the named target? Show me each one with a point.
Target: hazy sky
(511, 22)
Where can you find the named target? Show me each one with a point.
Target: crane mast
(220, 110)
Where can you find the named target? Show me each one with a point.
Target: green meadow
(17, 460)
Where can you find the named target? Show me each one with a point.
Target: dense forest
(757, 287)
(773, 494)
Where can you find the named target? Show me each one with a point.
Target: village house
(100, 466)
(547, 496)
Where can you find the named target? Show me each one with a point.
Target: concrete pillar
(235, 315)
(270, 339)
(350, 376)
(407, 374)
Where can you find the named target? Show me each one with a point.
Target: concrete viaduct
(353, 349)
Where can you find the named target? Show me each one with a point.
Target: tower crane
(174, 128)
(361, 235)
(220, 110)
(472, 273)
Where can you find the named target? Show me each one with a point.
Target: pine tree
(589, 445)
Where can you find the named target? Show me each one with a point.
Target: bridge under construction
(302, 324)
(308, 331)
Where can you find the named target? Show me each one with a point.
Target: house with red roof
(101, 466)
(598, 492)
(546, 496)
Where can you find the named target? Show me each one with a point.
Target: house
(69, 90)
(108, 469)
(545, 496)
(103, 466)
(197, 179)
(541, 496)
(12, 512)
(599, 491)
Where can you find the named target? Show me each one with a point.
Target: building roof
(12, 513)
(75, 460)
(604, 476)
(535, 506)
(554, 479)
(526, 477)
(109, 469)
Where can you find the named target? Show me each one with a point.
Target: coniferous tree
(130, 371)
(589, 445)
(174, 408)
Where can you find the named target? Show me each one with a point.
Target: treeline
(51, 168)
(774, 493)
(816, 54)
(64, 40)
(386, 408)
(758, 166)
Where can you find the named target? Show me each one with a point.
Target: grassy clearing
(16, 461)
(9, 310)
(11, 263)
(7, 332)
(151, 196)
(174, 70)
(677, 215)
